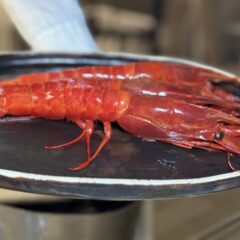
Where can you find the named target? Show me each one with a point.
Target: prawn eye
(218, 135)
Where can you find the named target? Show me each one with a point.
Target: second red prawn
(182, 76)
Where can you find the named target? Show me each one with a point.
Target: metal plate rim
(118, 181)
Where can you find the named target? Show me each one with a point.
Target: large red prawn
(149, 117)
(196, 80)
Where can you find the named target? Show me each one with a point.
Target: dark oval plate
(127, 169)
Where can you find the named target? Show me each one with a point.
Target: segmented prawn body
(149, 117)
(160, 89)
(198, 81)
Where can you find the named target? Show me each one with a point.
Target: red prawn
(189, 78)
(149, 117)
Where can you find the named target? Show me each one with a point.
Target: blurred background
(203, 30)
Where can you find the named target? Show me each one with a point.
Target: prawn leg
(87, 134)
(210, 146)
(108, 134)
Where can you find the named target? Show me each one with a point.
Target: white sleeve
(52, 25)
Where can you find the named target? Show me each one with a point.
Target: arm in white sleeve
(51, 25)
